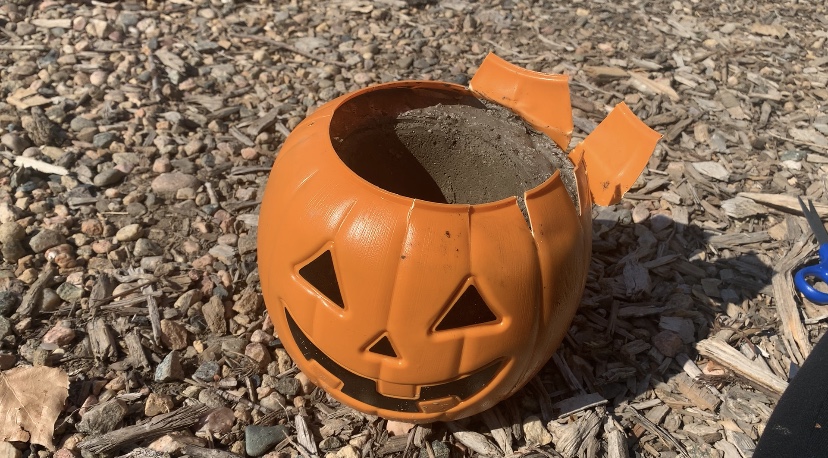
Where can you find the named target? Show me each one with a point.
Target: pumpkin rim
(452, 87)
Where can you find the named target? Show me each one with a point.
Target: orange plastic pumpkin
(422, 311)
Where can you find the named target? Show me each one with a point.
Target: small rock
(13, 251)
(8, 212)
(161, 165)
(259, 439)
(127, 19)
(116, 384)
(258, 352)
(207, 371)
(150, 263)
(14, 142)
(103, 418)
(668, 343)
(439, 448)
(228, 239)
(288, 386)
(223, 253)
(173, 335)
(283, 359)
(92, 227)
(64, 453)
(98, 78)
(307, 386)
(11, 232)
(211, 398)
(79, 123)
(712, 169)
(246, 244)
(7, 361)
(169, 368)
(741, 207)
(250, 303)
(108, 177)
(220, 421)
(103, 139)
(684, 327)
(157, 404)
(330, 443)
(534, 432)
(146, 247)
(214, 314)
(69, 292)
(165, 444)
(5, 327)
(52, 152)
(202, 262)
(169, 183)
(46, 239)
(61, 334)
(51, 301)
(348, 451)
(308, 44)
(235, 345)
(249, 153)
(129, 233)
(261, 337)
(7, 450)
(194, 146)
(185, 194)
(398, 428)
(99, 28)
(8, 302)
(274, 401)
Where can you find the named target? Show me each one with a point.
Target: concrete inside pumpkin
(444, 146)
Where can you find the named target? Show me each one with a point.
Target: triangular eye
(321, 275)
(383, 347)
(469, 310)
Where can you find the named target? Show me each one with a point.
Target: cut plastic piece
(615, 154)
(541, 99)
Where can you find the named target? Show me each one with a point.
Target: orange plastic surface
(401, 264)
(540, 98)
(616, 153)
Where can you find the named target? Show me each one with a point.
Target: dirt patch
(455, 154)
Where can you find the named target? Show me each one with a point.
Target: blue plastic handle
(819, 271)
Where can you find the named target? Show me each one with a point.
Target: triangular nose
(383, 347)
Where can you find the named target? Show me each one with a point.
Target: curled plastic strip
(541, 99)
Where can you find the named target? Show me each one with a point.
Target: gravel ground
(137, 137)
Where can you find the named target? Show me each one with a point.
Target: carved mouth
(365, 389)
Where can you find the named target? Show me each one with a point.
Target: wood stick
(793, 330)
(616, 444)
(35, 293)
(501, 432)
(800, 142)
(729, 357)
(653, 428)
(784, 202)
(23, 48)
(34, 164)
(290, 48)
(158, 426)
(136, 351)
(304, 436)
(202, 452)
(473, 440)
(154, 315)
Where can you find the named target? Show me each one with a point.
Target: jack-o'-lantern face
(398, 303)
